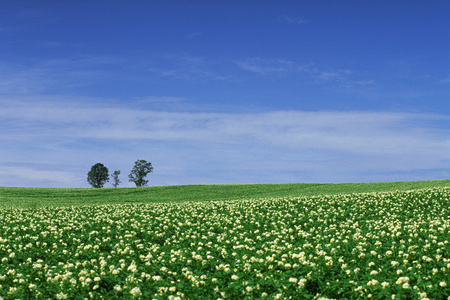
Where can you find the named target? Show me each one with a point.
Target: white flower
(132, 268)
(61, 296)
(372, 282)
(302, 283)
(135, 291)
(402, 280)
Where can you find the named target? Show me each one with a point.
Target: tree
(140, 170)
(115, 177)
(98, 175)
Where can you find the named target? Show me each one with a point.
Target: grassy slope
(38, 197)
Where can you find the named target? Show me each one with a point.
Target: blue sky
(224, 91)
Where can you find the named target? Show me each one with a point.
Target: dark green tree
(115, 177)
(140, 170)
(98, 175)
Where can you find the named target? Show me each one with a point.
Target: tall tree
(140, 170)
(98, 175)
(115, 177)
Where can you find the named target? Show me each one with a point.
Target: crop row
(392, 245)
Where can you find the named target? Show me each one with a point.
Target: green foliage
(140, 170)
(115, 177)
(98, 175)
(385, 245)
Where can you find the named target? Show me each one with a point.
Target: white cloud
(317, 144)
(355, 132)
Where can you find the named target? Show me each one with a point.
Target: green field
(43, 197)
(286, 241)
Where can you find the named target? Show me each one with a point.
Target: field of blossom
(386, 245)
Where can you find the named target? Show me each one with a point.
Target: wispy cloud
(294, 141)
(29, 13)
(354, 132)
(66, 75)
(444, 81)
(293, 20)
(264, 66)
(342, 78)
(37, 76)
(193, 35)
(339, 75)
(20, 174)
(185, 67)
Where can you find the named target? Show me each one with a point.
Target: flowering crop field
(385, 245)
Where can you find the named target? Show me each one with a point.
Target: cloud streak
(324, 129)
(263, 66)
(71, 75)
(41, 76)
(343, 78)
(185, 67)
(293, 141)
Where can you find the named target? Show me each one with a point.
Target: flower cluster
(392, 245)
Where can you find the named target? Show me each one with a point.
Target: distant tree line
(99, 174)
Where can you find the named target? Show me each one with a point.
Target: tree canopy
(140, 170)
(98, 175)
